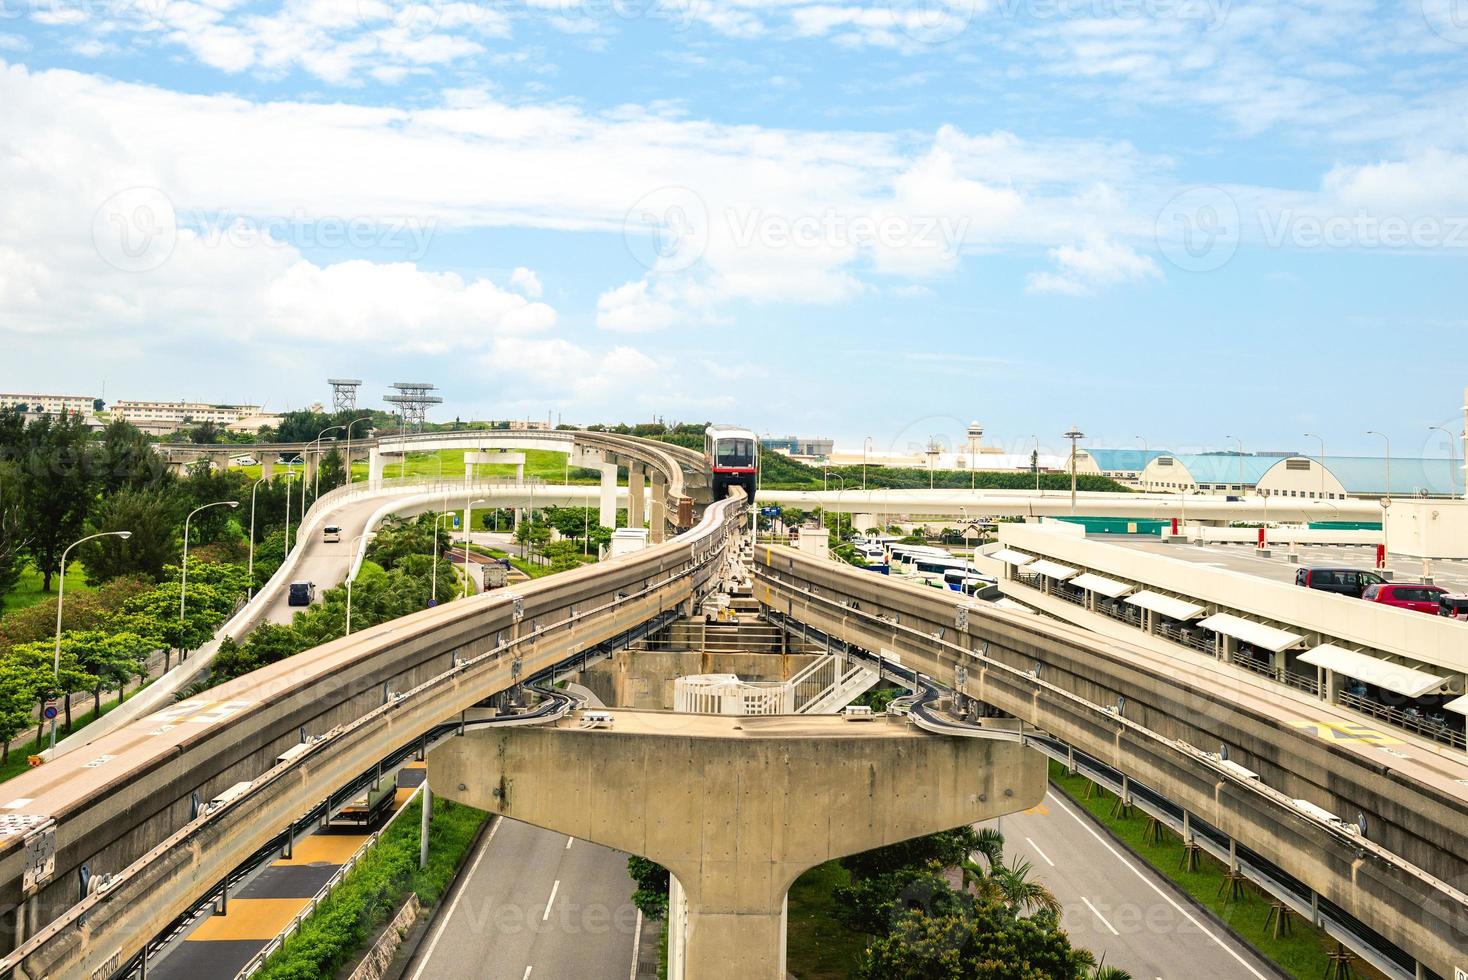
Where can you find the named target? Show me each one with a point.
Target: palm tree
(1019, 893)
(1110, 973)
(991, 845)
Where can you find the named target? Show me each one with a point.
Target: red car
(1405, 595)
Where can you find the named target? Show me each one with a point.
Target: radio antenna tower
(344, 394)
(412, 400)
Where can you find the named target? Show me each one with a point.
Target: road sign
(49, 711)
(456, 521)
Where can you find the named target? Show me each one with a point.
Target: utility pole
(1074, 435)
(975, 433)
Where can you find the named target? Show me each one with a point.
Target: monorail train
(732, 457)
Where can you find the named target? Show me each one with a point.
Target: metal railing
(1307, 684)
(1435, 727)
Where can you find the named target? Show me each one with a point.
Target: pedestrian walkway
(219, 946)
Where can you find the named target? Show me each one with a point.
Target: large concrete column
(636, 496)
(375, 466)
(608, 514)
(737, 807)
(657, 513)
(267, 466)
(313, 463)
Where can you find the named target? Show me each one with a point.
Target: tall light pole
(932, 454)
(864, 443)
(365, 418)
(351, 574)
(60, 600)
(468, 512)
(975, 433)
(442, 514)
(1452, 477)
(1036, 461)
(183, 586)
(1074, 435)
(316, 481)
(1241, 460)
(1146, 454)
(838, 476)
(289, 473)
(1311, 435)
(250, 592)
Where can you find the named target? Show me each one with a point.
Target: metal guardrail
(1437, 728)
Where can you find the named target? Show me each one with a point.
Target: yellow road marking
(1346, 731)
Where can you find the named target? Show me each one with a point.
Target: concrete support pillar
(725, 804)
(607, 517)
(427, 816)
(313, 463)
(376, 464)
(657, 514)
(267, 466)
(636, 496)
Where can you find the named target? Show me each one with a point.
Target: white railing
(291, 927)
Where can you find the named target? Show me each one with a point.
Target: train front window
(734, 452)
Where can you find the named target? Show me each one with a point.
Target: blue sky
(1182, 220)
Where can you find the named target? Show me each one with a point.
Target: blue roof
(1367, 474)
(1124, 460)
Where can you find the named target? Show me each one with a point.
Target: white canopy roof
(1108, 587)
(1458, 704)
(1050, 569)
(1406, 681)
(1012, 557)
(1165, 604)
(1256, 634)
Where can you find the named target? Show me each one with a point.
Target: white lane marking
(1042, 854)
(637, 946)
(568, 842)
(1097, 913)
(527, 973)
(448, 916)
(551, 901)
(1153, 885)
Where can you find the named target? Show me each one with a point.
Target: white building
(154, 414)
(50, 404)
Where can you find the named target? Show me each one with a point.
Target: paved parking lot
(1450, 574)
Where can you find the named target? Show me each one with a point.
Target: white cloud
(527, 282)
(1097, 262)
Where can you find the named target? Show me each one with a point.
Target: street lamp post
(1452, 477)
(365, 418)
(1311, 435)
(442, 514)
(1036, 462)
(1074, 435)
(183, 587)
(864, 443)
(250, 592)
(838, 476)
(468, 511)
(290, 473)
(352, 573)
(1386, 499)
(316, 480)
(1241, 460)
(60, 600)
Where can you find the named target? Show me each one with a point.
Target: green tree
(152, 517)
(53, 681)
(126, 461)
(982, 941)
(14, 537)
(651, 894)
(56, 488)
(945, 849)
(206, 485)
(18, 686)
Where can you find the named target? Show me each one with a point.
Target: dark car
(1453, 605)
(1407, 595)
(1342, 581)
(302, 593)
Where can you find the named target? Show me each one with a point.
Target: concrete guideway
(723, 802)
(1399, 881)
(337, 690)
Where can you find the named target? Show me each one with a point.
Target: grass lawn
(28, 592)
(1302, 954)
(818, 947)
(539, 463)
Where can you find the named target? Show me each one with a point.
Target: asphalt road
(322, 563)
(533, 904)
(1119, 907)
